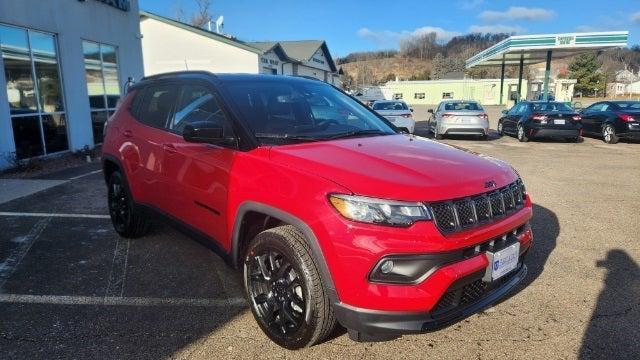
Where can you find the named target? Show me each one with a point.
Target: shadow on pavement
(613, 330)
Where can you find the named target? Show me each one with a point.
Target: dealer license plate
(559, 121)
(502, 262)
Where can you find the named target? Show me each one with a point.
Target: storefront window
(103, 85)
(34, 91)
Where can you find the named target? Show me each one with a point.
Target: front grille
(461, 214)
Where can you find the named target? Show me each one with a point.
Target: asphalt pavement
(71, 288)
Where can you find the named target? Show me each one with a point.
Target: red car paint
(189, 181)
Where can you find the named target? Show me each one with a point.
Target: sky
(349, 26)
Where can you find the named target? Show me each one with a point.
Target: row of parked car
(610, 120)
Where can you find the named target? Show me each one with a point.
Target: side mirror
(211, 134)
(430, 111)
(505, 111)
(411, 109)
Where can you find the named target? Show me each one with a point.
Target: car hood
(400, 167)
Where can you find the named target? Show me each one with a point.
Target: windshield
(280, 112)
(462, 106)
(550, 106)
(393, 105)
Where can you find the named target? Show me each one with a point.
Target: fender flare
(312, 240)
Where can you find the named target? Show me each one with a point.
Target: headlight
(379, 211)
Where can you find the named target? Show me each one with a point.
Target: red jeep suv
(333, 214)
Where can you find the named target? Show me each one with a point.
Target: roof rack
(175, 73)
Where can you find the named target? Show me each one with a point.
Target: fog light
(386, 267)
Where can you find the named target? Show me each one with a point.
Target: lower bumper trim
(392, 322)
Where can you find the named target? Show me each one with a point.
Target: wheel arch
(250, 208)
(110, 165)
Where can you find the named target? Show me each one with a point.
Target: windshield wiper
(356, 133)
(286, 137)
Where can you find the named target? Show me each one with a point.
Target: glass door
(34, 91)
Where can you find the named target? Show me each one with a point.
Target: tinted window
(275, 110)
(156, 107)
(392, 105)
(550, 106)
(629, 105)
(199, 108)
(462, 106)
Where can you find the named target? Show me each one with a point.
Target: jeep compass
(333, 215)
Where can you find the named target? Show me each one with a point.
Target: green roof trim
(530, 44)
(199, 31)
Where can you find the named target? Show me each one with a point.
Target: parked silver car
(397, 112)
(459, 117)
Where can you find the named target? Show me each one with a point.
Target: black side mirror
(430, 111)
(212, 134)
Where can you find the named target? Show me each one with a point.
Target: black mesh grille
(444, 216)
(451, 216)
(465, 212)
(472, 292)
(483, 209)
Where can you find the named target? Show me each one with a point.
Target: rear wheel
(285, 290)
(522, 136)
(436, 134)
(609, 134)
(126, 219)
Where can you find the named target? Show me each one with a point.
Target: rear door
(198, 174)
(589, 117)
(143, 149)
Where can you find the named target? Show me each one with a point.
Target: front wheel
(285, 290)
(522, 136)
(609, 134)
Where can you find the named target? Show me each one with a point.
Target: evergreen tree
(585, 69)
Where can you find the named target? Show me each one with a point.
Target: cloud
(635, 17)
(388, 38)
(469, 4)
(518, 13)
(497, 29)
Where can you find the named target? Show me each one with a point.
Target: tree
(438, 67)
(586, 69)
(203, 15)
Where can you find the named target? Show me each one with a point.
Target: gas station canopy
(534, 48)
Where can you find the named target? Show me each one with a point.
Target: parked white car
(459, 117)
(397, 112)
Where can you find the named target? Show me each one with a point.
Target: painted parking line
(8, 267)
(48, 215)
(83, 175)
(118, 301)
(118, 274)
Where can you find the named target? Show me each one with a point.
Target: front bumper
(396, 323)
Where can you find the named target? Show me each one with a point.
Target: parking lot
(71, 288)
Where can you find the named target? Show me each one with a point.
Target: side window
(155, 109)
(198, 107)
(515, 109)
(595, 108)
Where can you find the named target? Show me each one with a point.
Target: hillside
(382, 70)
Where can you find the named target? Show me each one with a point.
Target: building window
(447, 95)
(418, 96)
(397, 96)
(103, 85)
(34, 91)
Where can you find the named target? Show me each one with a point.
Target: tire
(484, 137)
(522, 136)
(281, 302)
(609, 135)
(500, 129)
(127, 220)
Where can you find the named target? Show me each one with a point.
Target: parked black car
(529, 119)
(612, 120)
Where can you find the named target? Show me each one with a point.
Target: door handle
(127, 133)
(169, 148)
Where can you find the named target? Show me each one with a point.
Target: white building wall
(72, 22)
(270, 61)
(190, 51)
(304, 70)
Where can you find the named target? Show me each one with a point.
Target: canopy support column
(547, 73)
(502, 81)
(520, 77)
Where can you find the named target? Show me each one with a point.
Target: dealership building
(64, 65)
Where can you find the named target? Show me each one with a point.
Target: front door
(198, 174)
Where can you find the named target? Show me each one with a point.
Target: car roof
(458, 101)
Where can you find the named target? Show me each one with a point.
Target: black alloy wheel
(126, 219)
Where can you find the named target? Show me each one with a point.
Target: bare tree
(178, 11)
(203, 15)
